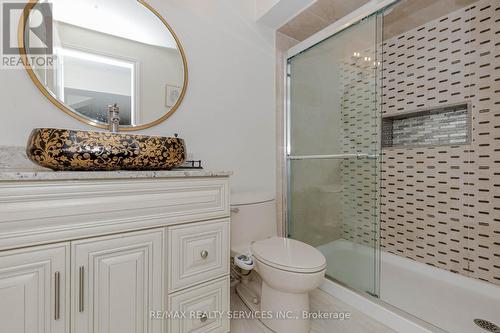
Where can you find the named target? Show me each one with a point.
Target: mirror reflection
(109, 52)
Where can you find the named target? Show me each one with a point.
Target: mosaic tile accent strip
(445, 126)
(441, 205)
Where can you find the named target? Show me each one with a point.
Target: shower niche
(437, 126)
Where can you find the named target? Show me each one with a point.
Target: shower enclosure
(392, 148)
(333, 150)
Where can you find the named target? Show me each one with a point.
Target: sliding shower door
(333, 136)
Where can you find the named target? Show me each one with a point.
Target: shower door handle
(330, 157)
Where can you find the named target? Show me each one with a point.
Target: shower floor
(444, 299)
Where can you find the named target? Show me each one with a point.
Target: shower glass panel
(333, 138)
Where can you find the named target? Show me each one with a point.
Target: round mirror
(87, 55)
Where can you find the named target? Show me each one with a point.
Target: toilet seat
(289, 255)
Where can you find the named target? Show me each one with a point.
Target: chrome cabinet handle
(204, 254)
(80, 289)
(204, 318)
(57, 296)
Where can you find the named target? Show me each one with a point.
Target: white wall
(144, 28)
(228, 115)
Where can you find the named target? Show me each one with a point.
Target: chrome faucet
(113, 118)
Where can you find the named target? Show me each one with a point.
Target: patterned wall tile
(441, 205)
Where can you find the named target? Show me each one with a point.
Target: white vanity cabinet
(99, 256)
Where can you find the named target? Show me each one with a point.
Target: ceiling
(404, 16)
(409, 14)
(318, 16)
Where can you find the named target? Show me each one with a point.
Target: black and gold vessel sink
(73, 150)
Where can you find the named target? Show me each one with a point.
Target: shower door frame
(367, 10)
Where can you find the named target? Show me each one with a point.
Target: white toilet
(285, 270)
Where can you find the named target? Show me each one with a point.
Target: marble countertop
(27, 175)
(15, 166)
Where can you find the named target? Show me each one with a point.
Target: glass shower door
(333, 152)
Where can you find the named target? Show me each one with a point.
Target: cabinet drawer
(205, 308)
(197, 253)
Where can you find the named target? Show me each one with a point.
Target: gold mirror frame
(72, 113)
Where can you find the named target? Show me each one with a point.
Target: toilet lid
(289, 254)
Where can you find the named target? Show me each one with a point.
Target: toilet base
(287, 310)
(273, 301)
(249, 297)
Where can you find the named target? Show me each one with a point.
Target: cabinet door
(116, 281)
(34, 293)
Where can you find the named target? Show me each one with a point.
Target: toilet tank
(253, 217)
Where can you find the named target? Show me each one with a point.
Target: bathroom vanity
(101, 251)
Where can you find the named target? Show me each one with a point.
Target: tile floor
(358, 323)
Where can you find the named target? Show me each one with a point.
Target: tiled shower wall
(441, 205)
